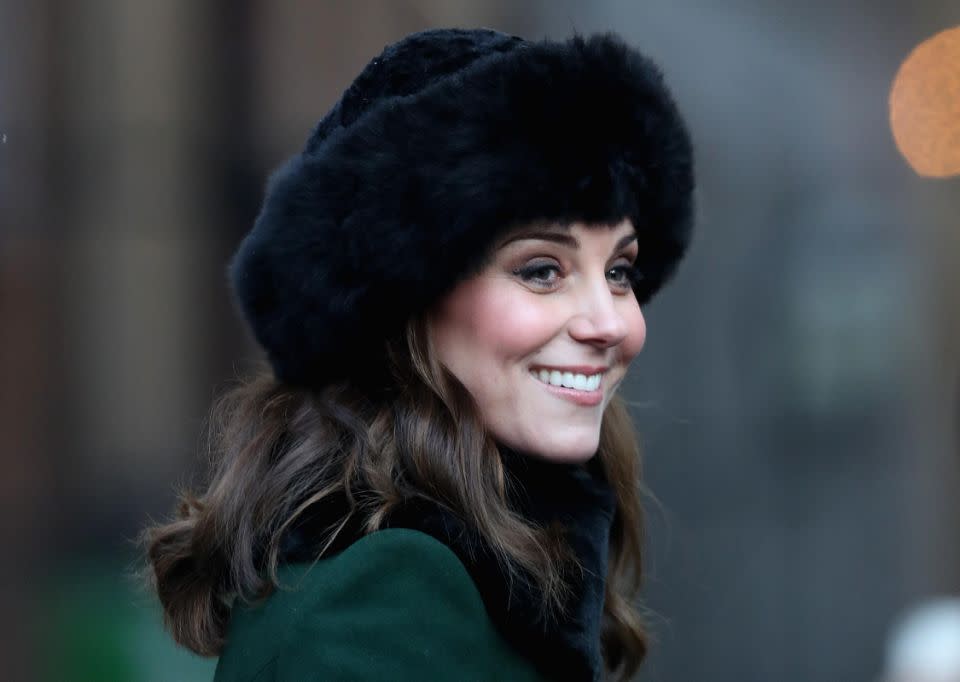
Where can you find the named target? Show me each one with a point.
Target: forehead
(568, 232)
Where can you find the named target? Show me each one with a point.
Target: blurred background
(797, 397)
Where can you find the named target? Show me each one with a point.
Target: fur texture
(578, 498)
(443, 143)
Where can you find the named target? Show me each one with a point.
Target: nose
(599, 319)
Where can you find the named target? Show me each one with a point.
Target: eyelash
(631, 273)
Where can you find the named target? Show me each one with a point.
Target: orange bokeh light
(925, 106)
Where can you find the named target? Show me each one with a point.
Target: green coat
(395, 605)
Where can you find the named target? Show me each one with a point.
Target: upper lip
(587, 370)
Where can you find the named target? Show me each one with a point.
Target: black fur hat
(445, 141)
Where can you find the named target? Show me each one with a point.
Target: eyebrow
(562, 238)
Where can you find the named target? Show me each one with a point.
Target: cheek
(516, 327)
(636, 334)
(488, 320)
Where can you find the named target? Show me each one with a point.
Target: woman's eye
(625, 276)
(539, 273)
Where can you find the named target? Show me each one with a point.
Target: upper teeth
(580, 382)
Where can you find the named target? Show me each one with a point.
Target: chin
(579, 457)
(572, 451)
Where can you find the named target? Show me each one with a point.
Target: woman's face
(543, 335)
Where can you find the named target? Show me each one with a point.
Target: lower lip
(586, 398)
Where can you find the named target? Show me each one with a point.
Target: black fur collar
(576, 496)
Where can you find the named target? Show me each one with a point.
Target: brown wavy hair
(275, 450)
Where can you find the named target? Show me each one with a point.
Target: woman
(437, 480)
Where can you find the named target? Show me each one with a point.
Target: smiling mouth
(586, 383)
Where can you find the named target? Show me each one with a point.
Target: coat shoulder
(396, 604)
